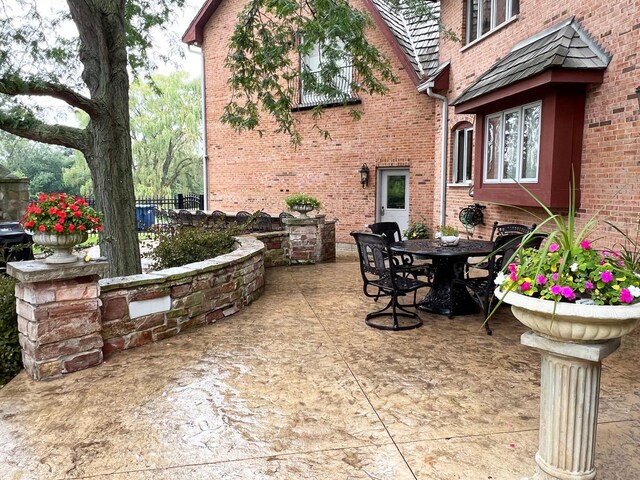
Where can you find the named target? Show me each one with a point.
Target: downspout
(205, 157)
(428, 88)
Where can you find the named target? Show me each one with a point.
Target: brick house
(534, 91)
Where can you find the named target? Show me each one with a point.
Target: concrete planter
(61, 244)
(570, 321)
(573, 340)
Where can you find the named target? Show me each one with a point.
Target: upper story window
(484, 16)
(512, 145)
(462, 152)
(340, 83)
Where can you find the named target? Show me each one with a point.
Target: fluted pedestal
(569, 396)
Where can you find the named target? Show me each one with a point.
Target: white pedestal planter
(573, 343)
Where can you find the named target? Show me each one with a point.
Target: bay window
(512, 145)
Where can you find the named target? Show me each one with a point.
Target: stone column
(58, 316)
(311, 240)
(569, 396)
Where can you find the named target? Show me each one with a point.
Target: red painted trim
(561, 133)
(393, 41)
(193, 35)
(546, 78)
(441, 81)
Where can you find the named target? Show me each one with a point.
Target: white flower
(574, 267)
(635, 291)
(500, 278)
(636, 274)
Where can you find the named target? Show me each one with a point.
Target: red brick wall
(248, 172)
(610, 156)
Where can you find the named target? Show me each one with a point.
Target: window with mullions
(512, 145)
(486, 15)
(462, 151)
(341, 81)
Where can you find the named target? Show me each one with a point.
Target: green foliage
(10, 357)
(302, 199)
(188, 245)
(42, 164)
(166, 135)
(266, 44)
(417, 229)
(448, 231)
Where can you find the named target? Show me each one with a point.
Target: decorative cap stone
(38, 271)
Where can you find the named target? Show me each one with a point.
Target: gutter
(428, 89)
(205, 157)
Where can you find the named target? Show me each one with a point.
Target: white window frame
(508, 16)
(467, 159)
(500, 160)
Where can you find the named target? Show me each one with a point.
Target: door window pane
(396, 191)
(511, 145)
(493, 146)
(531, 142)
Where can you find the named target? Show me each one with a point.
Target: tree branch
(29, 127)
(13, 85)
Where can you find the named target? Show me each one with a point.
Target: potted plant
(449, 236)
(578, 300)
(60, 221)
(302, 203)
(417, 230)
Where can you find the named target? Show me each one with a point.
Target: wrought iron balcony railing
(342, 83)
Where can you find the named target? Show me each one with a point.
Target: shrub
(10, 356)
(417, 229)
(189, 245)
(302, 199)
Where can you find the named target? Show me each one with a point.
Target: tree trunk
(101, 26)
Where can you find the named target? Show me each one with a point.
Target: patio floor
(297, 387)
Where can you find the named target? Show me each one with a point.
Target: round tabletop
(433, 248)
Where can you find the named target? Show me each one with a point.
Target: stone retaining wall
(146, 308)
(275, 244)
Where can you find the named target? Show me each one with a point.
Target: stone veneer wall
(14, 198)
(146, 308)
(311, 240)
(275, 244)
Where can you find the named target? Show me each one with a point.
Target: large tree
(83, 55)
(166, 135)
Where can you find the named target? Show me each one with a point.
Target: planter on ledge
(61, 244)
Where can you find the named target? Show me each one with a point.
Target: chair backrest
(242, 217)
(200, 218)
(185, 218)
(172, 216)
(391, 230)
(263, 222)
(216, 219)
(504, 247)
(373, 250)
(500, 230)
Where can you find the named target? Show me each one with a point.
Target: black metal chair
(482, 287)
(172, 217)
(200, 219)
(406, 264)
(282, 216)
(379, 273)
(242, 217)
(216, 219)
(501, 230)
(263, 222)
(185, 219)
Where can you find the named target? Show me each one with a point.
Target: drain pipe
(428, 88)
(205, 157)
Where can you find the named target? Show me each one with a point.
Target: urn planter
(61, 244)
(573, 339)
(302, 209)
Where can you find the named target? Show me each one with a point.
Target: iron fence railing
(343, 82)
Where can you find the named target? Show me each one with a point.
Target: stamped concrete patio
(297, 387)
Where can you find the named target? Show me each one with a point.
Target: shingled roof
(416, 34)
(563, 46)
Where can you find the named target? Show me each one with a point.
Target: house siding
(610, 160)
(249, 172)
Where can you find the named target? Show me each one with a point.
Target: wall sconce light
(364, 175)
(638, 96)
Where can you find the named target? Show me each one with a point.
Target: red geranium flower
(42, 228)
(58, 228)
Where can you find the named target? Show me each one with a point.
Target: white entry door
(393, 195)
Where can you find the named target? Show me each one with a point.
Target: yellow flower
(621, 279)
(554, 268)
(616, 287)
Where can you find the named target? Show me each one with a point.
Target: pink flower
(541, 279)
(512, 267)
(556, 290)
(567, 293)
(625, 296)
(525, 286)
(58, 228)
(554, 277)
(513, 277)
(588, 285)
(585, 245)
(606, 276)
(554, 247)
(42, 228)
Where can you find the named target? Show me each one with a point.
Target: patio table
(448, 263)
